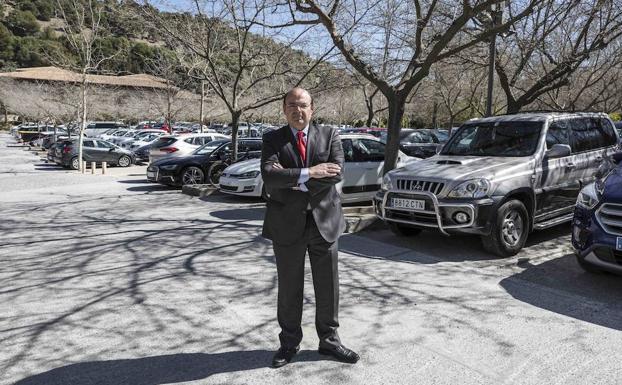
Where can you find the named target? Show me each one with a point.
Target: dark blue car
(597, 223)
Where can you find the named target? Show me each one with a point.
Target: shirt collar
(294, 131)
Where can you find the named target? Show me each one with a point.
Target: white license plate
(619, 243)
(413, 204)
(150, 174)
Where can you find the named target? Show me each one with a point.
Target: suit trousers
(290, 262)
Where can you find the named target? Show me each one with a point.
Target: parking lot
(110, 279)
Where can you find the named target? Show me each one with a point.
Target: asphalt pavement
(110, 279)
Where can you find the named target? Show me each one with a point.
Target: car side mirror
(111, 149)
(439, 148)
(558, 151)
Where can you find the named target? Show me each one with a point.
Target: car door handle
(570, 165)
(599, 159)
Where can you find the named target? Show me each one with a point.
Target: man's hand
(324, 170)
(277, 166)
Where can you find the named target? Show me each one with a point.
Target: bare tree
(82, 27)
(551, 44)
(459, 86)
(595, 85)
(394, 43)
(245, 64)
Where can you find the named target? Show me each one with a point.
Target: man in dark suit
(300, 165)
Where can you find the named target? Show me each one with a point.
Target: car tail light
(169, 150)
(66, 149)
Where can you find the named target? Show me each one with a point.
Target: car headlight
(474, 188)
(588, 197)
(249, 175)
(386, 184)
(169, 167)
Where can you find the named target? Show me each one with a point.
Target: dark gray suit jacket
(286, 208)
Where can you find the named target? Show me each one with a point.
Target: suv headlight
(386, 184)
(588, 197)
(474, 188)
(249, 175)
(169, 167)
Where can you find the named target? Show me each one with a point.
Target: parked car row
(364, 161)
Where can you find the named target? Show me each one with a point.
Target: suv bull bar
(437, 205)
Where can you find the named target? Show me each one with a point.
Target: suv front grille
(610, 217)
(420, 185)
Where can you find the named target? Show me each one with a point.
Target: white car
(138, 135)
(364, 160)
(145, 140)
(180, 145)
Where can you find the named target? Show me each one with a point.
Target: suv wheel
(509, 230)
(403, 230)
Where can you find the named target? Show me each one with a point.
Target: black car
(421, 143)
(193, 169)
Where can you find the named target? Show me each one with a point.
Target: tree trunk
(435, 115)
(513, 106)
(370, 113)
(394, 126)
(235, 120)
(201, 113)
(82, 123)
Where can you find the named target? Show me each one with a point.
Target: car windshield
(209, 147)
(495, 139)
(420, 136)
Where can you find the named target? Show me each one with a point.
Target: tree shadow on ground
(434, 247)
(136, 181)
(152, 188)
(561, 286)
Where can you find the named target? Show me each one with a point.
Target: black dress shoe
(341, 353)
(284, 356)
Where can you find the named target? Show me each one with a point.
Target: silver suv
(499, 177)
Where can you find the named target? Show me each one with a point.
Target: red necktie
(302, 146)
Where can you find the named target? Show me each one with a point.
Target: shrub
(22, 23)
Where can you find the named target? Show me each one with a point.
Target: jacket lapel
(291, 145)
(312, 144)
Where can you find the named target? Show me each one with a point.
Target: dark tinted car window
(104, 144)
(253, 145)
(366, 150)
(608, 132)
(88, 143)
(348, 151)
(586, 134)
(163, 142)
(558, 133)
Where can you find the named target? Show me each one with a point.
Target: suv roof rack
(544, 111)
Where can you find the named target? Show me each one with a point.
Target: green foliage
(616, 116)
(22, 23)
(6, 47)
(27, 5)
(28, 52)
(47, 34)
(45, 9)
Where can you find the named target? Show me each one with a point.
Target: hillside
(30, 28)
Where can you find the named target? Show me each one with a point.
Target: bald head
(298, 108)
